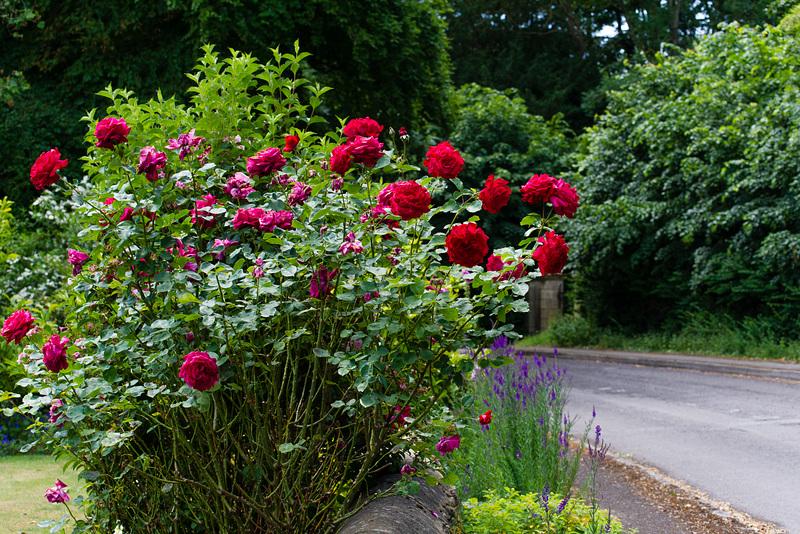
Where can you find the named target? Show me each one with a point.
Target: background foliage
(691, 184)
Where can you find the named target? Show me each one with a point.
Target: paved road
(735, 437)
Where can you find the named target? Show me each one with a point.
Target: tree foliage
(387, 57)
(691, 184)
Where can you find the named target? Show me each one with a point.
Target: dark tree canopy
(386, 59)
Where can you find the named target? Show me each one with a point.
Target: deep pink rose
(45, 169)
(410, 200)
(248, 217)
(17, 326)
(265, 162)
(55, 354)
(467, 244)
(150, 161)
(57, 494)
(564, 199)
(111, 132)
(448, 444)
(495, 263)
(201, 216)
(186, 143)
(366, 150)
(54, 414)
(495, 194)
(76, 259)
(407, 470)
(538, 189)
(238, 186)
(378, 214)
(128, 213)
(322, 283)
(199, 370)
(299, 194)
(444, 161)
(276, 219)
(365, 127)
(340, 159)
(551, 253)
(291, 142)
(224, 243)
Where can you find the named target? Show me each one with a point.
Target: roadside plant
(522, 441)
(261, 317)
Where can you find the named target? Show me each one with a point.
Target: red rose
(150, 161)
(201, 216)
(291, 142)
(362, 127)
(110, 132)
(564, 199)
(443, 161)
(248, 217)
(199, 370)
(265, 162)
(17, 326)
(45, 169)
(55, 354)
(538, 189)
(551, 253)
(486, 418)
(275, 219)
(385, 196)
(410, 200)
(466, 244)
(366, 150)
(340, 159)
(495, 195)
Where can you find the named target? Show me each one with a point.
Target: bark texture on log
(431, 511)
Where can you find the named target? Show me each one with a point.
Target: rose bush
(255, 333)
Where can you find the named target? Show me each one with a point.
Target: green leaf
(370, 399)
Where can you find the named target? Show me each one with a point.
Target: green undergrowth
(700, 333)
(509, 512)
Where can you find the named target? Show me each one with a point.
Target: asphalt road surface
(734, 437)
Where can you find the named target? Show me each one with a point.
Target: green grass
(24, 479)
(701, 334)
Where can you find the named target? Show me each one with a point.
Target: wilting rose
(448, 444)
(538, 189)
(467, 244)
(564, 199)
(265, 162)
(366, 150)
(551, 253)
(322, 282)
(407, 470)
(238, 186)
(291, 142)
(495, 194)
(57, 494)
(410, 200)
(76, 259)
(199, 370)
(45, 169)
(111, 132)
(150, 161)
(17, 326)
(55, 354)
(340, 159)
(186, 143)
(444, 161)
(365, 127)
(299, 194)
(351, 244)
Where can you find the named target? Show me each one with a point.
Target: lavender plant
(526, 444)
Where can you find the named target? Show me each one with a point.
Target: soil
(644, 499)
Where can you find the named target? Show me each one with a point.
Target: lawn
(24, 479)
